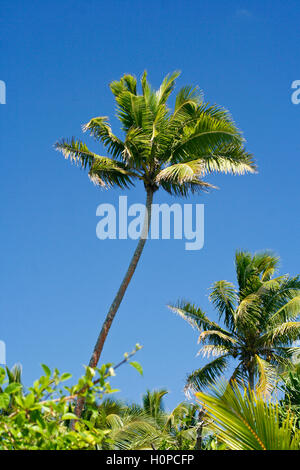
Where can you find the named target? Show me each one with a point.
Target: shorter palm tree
(260, 324)
(129, 427)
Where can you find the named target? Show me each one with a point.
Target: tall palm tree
(172, 151)
(261, 323)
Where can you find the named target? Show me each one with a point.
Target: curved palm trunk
(199, 438)
(251, 380)
(120, 294)
(251, 377)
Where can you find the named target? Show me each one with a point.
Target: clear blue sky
(56, 278)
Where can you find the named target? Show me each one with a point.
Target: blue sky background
(57, 279)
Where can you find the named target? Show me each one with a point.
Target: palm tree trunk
(251, 378)
(120, 294)
(199, 438)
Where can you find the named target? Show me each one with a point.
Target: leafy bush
(42, 417)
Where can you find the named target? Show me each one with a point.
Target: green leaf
(65, 376)
(46, 370)
(13, 388)
(137, 366)
(29, 400)
(4, 400)
(68, 416)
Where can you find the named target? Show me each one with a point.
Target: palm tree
(129, 427)
(260, 324)
(184, 424)
(172, 151)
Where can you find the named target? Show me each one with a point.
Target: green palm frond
(289, 311)
(153, 402)
(224, 297)
(77, 152)
(267, 376)
(277, 293)
(207, 375)
(166, 88)
(246, 422)
(218, 338)
(286, 332)
(178, 414)
(183, 189)
(108, 174)
(103, 171)
(248, 311)
(188, 100)
(213, 350)
(266, 264)
(133, 431)
(208, 132)
(232, 159)
(100, 129)
(196, 317)
(262, 265)
(130, 83)
(181, 172)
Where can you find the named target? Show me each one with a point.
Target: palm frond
(289, 311)
(248, 311)
(100, 129)
(229, 159)
(287, 332)
(213, 350)
(184, 188)
(218, 338)
(267, 376)
(166, 87)
(224, 297)
(276, 294)
(103, 171)
(246, 422)
(208, 132)
(181, 172)
(196, 317)
(207, 375)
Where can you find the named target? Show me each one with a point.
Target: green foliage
(38, 418)
(291, 389)
(261, 319)
(244, 421)
(148, 426)
(137, 366)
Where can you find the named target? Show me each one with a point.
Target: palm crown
(260, 319)
(173, 151)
